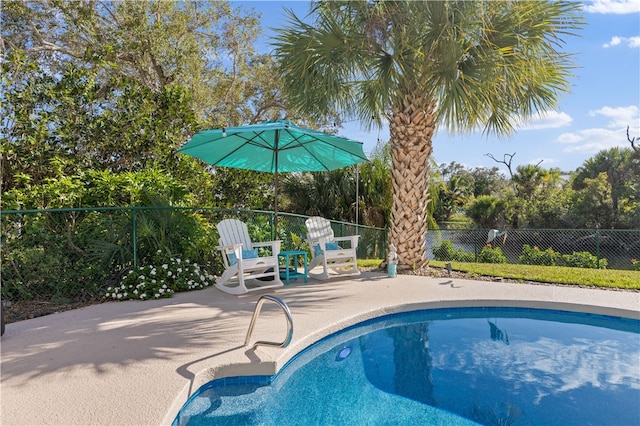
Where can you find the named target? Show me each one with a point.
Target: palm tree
(329, 194)
(424, 64)
(527, 179)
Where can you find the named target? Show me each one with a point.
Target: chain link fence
(73, 255)
(70, 255)
(605, 248)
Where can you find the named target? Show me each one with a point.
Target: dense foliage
(549, 257)
(604, 192)
(447, 251)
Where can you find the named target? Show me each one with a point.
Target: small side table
(290, 257)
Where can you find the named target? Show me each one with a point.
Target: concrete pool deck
(136, 363)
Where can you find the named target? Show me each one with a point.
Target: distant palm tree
(422, 64)
(527, 179)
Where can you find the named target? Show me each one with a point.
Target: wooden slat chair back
(319, 227)
(233, 232)
(331, 253)
(243, 261)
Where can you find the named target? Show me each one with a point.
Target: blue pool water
(493, 366)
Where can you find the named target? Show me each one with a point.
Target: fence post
(134, 236)
(384, 244)
(475, 244)
(598, 246)
(272, 219)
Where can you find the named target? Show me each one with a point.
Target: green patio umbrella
(275, 147)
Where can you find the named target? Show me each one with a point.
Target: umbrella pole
(275, 207)
(357, 193)
(275, 189)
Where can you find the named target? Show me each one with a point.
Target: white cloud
(592, 141)
(613, 7)
(546, 120)
(631, 42)
(615, 40)
(568, 138)
(619, 117)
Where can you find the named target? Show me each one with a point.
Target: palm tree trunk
(411, 130)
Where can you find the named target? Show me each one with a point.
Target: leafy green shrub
(446, 251)
(75, 255)
(42, 258)
(159, 227)
(160, 280)
(636, 264)
(492, 255)
(583, 259)
(548, 257)
(535, 256)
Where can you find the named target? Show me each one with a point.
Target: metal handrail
(287, 313)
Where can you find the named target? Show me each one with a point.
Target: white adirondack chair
(242, 261)
(330, 252)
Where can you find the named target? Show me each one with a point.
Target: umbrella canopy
(275, 147)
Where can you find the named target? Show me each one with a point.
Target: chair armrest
(275, 246)
(236, 249)
(351, 238)
(266, 244)
(231, 247)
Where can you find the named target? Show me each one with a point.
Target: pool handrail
(256, 312)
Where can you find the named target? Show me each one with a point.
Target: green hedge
(549, 257)
(446, 251)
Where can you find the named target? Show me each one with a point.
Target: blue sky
(604, 97)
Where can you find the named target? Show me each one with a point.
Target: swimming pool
(445, 366)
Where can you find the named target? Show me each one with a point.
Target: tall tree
(592, 203)
(622, 169)
(453, 194)
(329, 194)
(119, 85)
(487, 181)
(424, 64)
(206, 46)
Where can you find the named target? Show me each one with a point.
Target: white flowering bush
(162, 278)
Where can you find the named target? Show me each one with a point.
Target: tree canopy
(118, 86)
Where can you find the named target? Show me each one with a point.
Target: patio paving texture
(136, 363)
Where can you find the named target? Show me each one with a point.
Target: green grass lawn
(609, 278)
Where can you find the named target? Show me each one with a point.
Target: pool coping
(138, 362)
